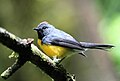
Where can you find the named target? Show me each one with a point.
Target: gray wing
(58, 41)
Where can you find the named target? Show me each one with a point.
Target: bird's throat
(40, 35)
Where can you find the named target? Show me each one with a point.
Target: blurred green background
(86, 20)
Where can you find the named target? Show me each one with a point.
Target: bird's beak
(35, 29)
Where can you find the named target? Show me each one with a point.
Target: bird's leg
(62, 60)
(83, 54)
(56, 59)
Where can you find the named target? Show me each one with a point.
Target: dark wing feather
(66, 43)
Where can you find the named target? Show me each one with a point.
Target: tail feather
(96, 46)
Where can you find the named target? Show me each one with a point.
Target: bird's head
(43, 29)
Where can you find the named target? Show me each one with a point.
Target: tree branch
(7, 73)
(29, 52)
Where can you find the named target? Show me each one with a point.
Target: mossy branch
(29, 52)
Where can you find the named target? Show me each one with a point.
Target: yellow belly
(52, 50)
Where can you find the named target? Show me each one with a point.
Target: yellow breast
(52, 50)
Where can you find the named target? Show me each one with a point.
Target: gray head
(43, 29)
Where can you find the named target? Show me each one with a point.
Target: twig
(7, 73)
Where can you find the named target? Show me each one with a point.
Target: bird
(58, 44)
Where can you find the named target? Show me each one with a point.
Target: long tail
(96, 46)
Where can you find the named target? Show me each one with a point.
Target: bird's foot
(56, 59)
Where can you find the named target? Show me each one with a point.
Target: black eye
(45, 27)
